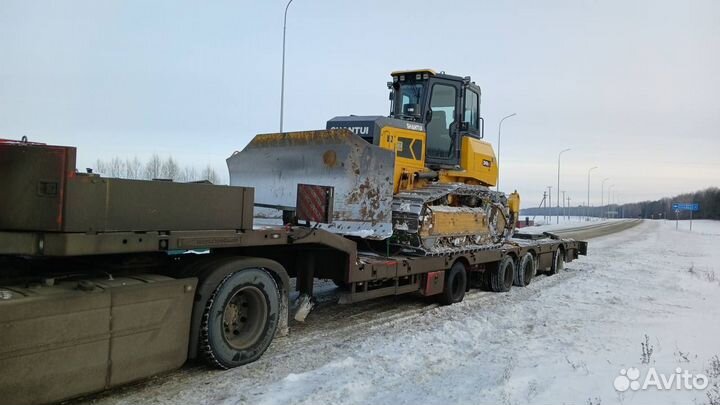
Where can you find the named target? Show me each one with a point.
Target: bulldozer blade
(360, 173)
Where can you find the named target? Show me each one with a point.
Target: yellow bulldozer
(418, 179)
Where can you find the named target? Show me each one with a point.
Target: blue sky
(630, 86)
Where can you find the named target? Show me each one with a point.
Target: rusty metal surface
(32, 185)
(361, 173)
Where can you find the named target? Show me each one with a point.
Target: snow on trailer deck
(563, 339)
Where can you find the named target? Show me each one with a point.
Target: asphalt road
(596, 230)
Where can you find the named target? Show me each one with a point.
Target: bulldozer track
(410, 209)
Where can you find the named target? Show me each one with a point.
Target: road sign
(695, 207)
(692, 207)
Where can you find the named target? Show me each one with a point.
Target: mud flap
(283, 321)
(305, 305)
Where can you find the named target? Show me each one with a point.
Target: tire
(455, 284)
(501, 277)
(558, 263)
(525, 270)
(240, 319)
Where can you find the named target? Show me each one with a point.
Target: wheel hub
(244, 317)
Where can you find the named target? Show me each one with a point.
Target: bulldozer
(419, 179)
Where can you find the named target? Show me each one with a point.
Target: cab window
(411, 96)
(441, 125)
(472, 111)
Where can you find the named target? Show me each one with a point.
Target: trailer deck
(123, 279)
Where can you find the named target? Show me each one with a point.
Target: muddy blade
(361, 174)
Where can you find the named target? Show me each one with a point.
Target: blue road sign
(686, 207)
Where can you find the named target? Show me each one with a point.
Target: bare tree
(153, 167)
(100, 166)
(209, 174)
(188, 173)
(170, 169)
(115, 168)
(133, 168)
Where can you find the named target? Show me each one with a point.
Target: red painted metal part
(434, 283)
(314, 203)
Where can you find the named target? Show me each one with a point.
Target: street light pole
(282, 79)
(550, 203)
(558, 183)
(498, 146)
(607, 211)
(569, 209)
(587, 208)
(602, 193)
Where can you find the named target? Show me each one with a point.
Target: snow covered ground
(700, 226)
(563, 339)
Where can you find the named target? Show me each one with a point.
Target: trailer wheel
(240, 318)
(525, 271)
(501, 277)
(455, 284)
(558, 263)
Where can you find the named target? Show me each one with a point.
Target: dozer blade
(361, 174)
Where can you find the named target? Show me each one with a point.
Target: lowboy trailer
(105, 281)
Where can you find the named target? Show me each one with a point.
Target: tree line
(708, 199)
(154, 168)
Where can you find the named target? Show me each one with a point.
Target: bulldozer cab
(448, 106)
